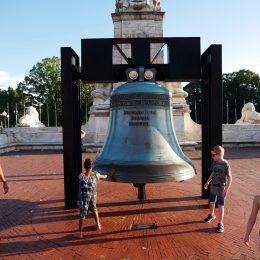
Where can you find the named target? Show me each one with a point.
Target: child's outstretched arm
(252, 219)
(82, 133)
(110, 174)
(2, 178)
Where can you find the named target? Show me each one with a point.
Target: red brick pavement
(35, 225)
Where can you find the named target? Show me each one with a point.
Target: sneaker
(220, 228)
(209, 218)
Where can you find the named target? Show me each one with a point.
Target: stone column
(179, 108)
(97, 125)
(134, 19)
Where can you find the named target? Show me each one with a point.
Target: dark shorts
(215, 198)
(89, 202)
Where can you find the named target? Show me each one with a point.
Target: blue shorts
(220, 200)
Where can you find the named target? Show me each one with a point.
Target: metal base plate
(142, 226)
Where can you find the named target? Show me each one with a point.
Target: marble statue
(178, 94)
(249, 115)
(31, 118)
(101, 94)
(125, 5)
(119, 4)
(157, 4)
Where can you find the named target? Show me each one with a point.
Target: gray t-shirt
(220, 172)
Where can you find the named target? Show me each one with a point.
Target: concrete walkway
(35, 225)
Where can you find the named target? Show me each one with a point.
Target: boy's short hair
(218, 150)
(87, 164)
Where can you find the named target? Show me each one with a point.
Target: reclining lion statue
(249, 115)
(31, 118)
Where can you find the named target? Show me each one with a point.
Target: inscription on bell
(126, 100)
(139, 112)
(138, 123)
(139, 117)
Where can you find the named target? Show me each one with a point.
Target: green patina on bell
(141, 144)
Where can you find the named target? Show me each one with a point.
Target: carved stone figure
(31, 118)
(157, 4)
(124, 5)
(102, 93)
(178, 94)
(249, 115)
(119, 4)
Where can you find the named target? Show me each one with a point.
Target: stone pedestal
(30, 138)
(178, 121)
(131, 20)
(138, 25)
(97, 127)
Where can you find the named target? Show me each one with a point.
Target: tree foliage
(42, 89)
(238, 88)
(194, 100)
(85, 99)
(8, 101)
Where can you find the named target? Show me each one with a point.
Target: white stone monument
(134, 19)
(31, 118)
(97, 125)
(249, 115)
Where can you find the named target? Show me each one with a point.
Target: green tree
(3, 106)
(194, 100)
(42, 89)
(3, 100)
(239, 88)
(13, 99)
(85, 99)
(9, 102)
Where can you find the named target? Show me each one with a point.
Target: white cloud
(8, 80)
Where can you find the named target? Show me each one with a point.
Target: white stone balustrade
(30, 138)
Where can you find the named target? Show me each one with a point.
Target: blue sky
(31, 30)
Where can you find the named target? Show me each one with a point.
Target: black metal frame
(212, 109)
(183, 58)
(71, 124)
(185, 64)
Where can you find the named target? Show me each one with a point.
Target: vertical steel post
(212, 107)
(71, 124)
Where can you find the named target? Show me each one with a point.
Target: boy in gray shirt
(220, 180)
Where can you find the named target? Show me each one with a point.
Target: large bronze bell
(141, 144)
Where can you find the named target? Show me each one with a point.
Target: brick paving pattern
(35, 225)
